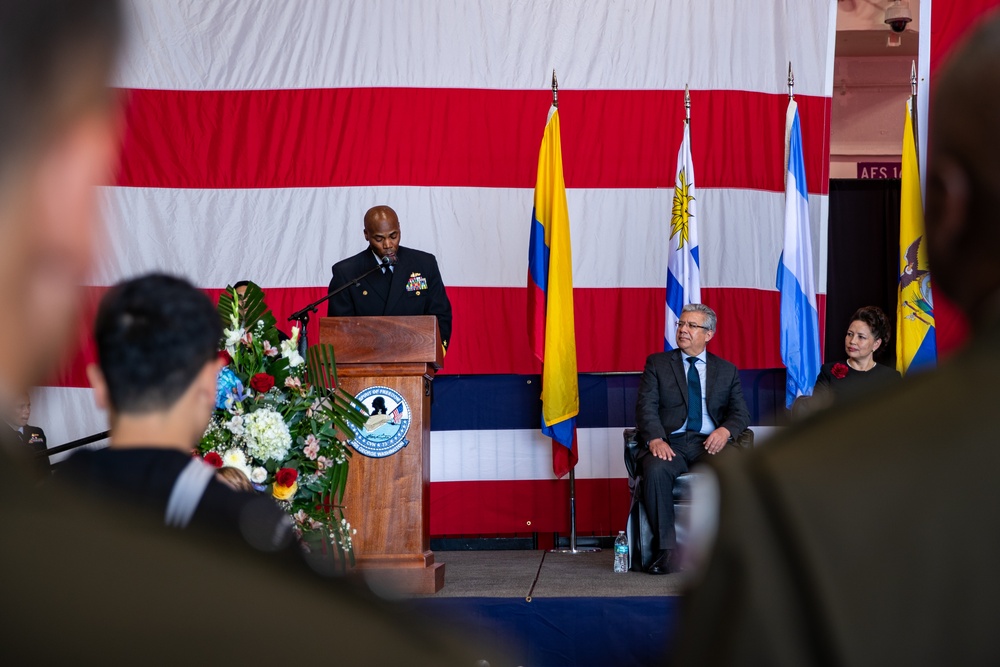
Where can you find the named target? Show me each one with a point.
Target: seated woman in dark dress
(867, 334)
(156, 340)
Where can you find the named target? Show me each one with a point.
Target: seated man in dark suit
(690, 403)
(30, 437)
(411, 285)
(157, 339)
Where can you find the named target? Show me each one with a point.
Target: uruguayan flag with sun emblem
(683, 272)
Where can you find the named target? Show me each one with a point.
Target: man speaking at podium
(408, 284)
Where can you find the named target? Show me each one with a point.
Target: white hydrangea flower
(258, 475)
(266, 435)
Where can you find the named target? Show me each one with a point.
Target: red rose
(839, 371)
(213, 459)
(225, 357)
(286, 477)
(262, 383)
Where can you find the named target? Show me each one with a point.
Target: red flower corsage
(839, 371)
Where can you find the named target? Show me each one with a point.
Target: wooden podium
(387, 499)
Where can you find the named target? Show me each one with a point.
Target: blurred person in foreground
(117, 587)
(58, 139)
(872, 540)
(157, 341)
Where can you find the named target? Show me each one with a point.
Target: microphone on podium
(302, 316)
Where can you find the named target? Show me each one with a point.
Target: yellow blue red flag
(551, 329)
(916, 336)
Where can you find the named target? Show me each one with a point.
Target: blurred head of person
(963, 176)
(157, 339)
(867, 334)
(234, 478)
(58, 140)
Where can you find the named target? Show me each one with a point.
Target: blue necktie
(694, 397)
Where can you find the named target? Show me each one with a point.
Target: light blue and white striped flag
(799, 314)
(683, 272)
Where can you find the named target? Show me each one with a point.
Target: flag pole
(913, 104)
(573, 548)
(791, 82)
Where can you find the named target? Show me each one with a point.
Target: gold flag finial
(687, 104)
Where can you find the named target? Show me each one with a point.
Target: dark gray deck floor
(513, 574)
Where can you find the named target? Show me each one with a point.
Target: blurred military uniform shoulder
(146, 477)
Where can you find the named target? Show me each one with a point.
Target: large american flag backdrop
(257, 135)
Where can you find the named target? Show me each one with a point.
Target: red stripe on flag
(951, 22)
(459, 138)
(527, 506)
(616, 329)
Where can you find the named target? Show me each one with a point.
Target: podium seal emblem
(384, 433)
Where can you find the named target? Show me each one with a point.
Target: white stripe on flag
(219, 45)
(214, 236)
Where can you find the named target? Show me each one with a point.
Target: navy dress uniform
(412, 286)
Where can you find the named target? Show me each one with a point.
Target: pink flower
(247, 339)
(294, 384)
(311, 449)
(322, 462)
(269, 349)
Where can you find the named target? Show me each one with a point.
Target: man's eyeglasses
(681, 324)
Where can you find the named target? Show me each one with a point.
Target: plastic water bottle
(621, 552)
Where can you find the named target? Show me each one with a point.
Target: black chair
(640, 533)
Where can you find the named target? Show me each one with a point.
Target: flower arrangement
(280, 420)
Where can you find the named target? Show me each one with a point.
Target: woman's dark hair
(876, 321)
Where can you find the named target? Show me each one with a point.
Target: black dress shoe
(662, 563)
